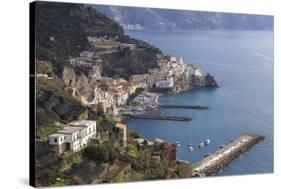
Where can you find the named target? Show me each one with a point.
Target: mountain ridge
(171, 19)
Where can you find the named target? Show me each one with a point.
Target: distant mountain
(167, 19)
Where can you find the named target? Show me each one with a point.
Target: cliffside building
(121, 131)
(74, 136)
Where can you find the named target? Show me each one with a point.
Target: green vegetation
(54, 176)
(151, 168)
(104, 120)
(126, 62)
(63, 29)
(182, 171)
(132, 150)
(44, 68)
(83, 115)
(102, 153)
(44, 132)
(72, 158)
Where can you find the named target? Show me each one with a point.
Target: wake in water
(259, 54)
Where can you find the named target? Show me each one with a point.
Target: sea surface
(242, 63)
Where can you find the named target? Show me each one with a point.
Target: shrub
(104, 153)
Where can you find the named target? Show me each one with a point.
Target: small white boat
(189, 145)
(190, 149)
(207, 141)
(200, 145)
(178, 144)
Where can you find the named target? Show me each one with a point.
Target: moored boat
(207, 141)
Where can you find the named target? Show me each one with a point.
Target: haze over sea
(242, 63)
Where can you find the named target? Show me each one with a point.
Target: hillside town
(92, 80)
(110, 95)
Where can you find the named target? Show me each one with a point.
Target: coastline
(157, 97)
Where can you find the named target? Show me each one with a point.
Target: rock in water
(210, 81)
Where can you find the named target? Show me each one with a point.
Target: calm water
(242, 62)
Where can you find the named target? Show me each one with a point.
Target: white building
(165, 84)
(74, 136)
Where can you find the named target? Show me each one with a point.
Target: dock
(213, 163)
(160, 117)
(196, 107)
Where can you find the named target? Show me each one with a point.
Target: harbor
(145, 106)
(213, 163)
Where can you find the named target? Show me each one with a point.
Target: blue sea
(242, 63)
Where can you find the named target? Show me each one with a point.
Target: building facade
(74, 136)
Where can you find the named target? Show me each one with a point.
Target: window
(55, 140)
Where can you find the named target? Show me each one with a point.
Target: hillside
(62, 30)
(168, 19)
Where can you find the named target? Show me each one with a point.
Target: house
(121, 131)
(165, 83)
(140, 80)
(74, 136)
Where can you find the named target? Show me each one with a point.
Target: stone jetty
(213, 163)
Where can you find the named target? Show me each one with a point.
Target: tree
(103, 153)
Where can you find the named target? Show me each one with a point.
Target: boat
(178, 144)
(207, 141)
(189, 145)
(190, 149)
(200, 145)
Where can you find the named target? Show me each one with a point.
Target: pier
(213, 163)
(198, 107)
(160, 117)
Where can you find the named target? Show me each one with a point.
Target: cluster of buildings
(86, 59)
(165, 77)
(111, 94)
(107, 43)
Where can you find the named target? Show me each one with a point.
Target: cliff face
(54, 103)
(187, 81)
(81, 86)
(105, 94)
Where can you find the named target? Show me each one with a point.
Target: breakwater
(213, 163)
(196, 107)
(160, 117)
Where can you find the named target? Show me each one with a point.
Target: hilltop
(63, 30)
